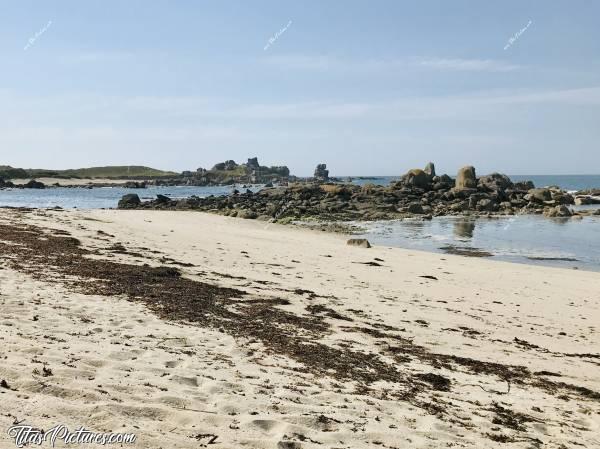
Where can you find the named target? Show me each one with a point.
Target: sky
(371, 87)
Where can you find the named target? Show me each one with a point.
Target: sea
(567, 243)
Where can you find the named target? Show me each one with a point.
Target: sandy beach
(72, 182)
(198, 330)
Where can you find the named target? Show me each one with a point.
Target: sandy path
(116, 366)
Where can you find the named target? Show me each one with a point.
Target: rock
(466, 178)
(415, 208)
(134, 185)
(252, 163)
(416, 178)
(227, 165)
(585, 200)
(162, 199)
(363, 243)
(430, 170)
(487, 205)
(321, 173)
(129, 201)
(558, 211)
(539, 195)
(5, 184)
(33, 184)
(494, 182)
(247, 214)
(524, 186)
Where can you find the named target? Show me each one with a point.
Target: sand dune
(403, 348)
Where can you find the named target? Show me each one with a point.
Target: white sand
(118, 367)
(71, 181)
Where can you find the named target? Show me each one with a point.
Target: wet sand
(250, 334)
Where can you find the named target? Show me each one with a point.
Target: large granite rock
(129, 201)
(586, 200)
(466, 178)
(558, 211)
(539, 195)
(321, 173)
(227, 166)
(430, 170)
(416, 178)
(252, 163)
(5, 184)
(33, 184)
(494, 182)
(363, 243)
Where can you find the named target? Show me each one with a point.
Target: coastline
(457, 329)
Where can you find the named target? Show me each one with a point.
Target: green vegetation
(111, 172)
(7, 172)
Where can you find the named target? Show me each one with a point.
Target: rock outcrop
(321, 173)
(415, 195)
(131, 201)
(5, 184)
(33, 184)
(558, 211)
(466, 178)
(228, 173)
(430, 170)
(363, 243)
(416, 178)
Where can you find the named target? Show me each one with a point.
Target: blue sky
(368, 87)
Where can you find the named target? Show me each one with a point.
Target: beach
(241, 333)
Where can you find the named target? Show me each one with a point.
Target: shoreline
(409, 346)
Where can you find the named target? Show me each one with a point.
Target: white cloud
(328, 63)
(468, 65)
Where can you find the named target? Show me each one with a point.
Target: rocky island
(419, 193)
(139, 177)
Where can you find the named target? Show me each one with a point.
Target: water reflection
(527, 238)
(464, 229)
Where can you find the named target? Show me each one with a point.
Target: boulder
(227, 165)
(321, 173)
(560, 197)
(129, 201)
(487, 204)
(466, 178)
(253, 163)
(363, 243)
(33, 184)
(539, 195)
(162, 199)
(247, 214)
(558, 211)
(494, 183)
(524, 186)
(415, 208)
(585, 200)
(134, 185)
(416, 178)
(430, 169)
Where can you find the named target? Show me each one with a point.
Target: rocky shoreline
(419, 193)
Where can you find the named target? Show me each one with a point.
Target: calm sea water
(98, 198)
(526, 239)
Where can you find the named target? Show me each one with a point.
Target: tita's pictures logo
(26, 435)
(517, 35)
(33, 38)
